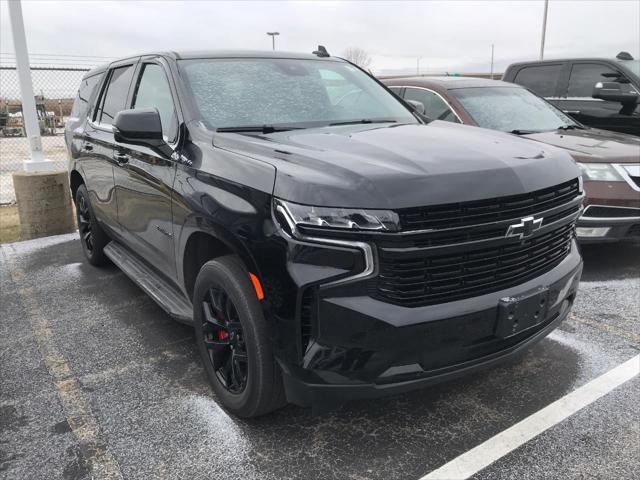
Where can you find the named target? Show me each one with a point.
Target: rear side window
(153, 91)
(434, 107)
(584, 76)
(542, 79)
(83, 100)
(115, 95)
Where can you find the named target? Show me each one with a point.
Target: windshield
(233, 92)
(510, 109)
(633, 65)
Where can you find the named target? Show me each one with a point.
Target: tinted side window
(542, 79)
(396, 90)
(434, 107)
(585, 75)
(83, 100)
(115, 95)
(153, 90)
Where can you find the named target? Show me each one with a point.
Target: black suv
(598, 92)
(325, 242)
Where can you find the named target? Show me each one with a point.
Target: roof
(562, 60)
(193, 54)
(448, 83)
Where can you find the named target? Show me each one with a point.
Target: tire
(225, 334)
(92, 238)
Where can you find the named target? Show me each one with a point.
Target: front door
(144, 177)
(97, 143)
(579, 103)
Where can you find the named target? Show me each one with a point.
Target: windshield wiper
(363, 120)
(570, 127)
(257, 128)
(522, 132)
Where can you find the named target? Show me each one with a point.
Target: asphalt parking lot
(97, 382)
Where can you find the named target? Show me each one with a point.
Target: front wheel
(234, 340)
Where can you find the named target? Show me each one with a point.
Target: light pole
(418, 65)
(273, 36)
(544, 28)
(492, 61)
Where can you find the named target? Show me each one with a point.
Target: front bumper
(364, 348)
(612, 213)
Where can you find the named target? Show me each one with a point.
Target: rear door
(144, 177)
(577, 100)
(98, 142)
(546, 79)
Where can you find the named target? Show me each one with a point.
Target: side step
(166, 295)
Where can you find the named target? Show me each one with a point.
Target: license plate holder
(516, 314)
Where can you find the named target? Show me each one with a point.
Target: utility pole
(273, 36)
(492, 61)
(36, 162)
(544, 28)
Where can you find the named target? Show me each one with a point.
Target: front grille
(487, 211)
(418, 277)
(603, 211)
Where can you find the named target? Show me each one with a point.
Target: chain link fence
(55, 90)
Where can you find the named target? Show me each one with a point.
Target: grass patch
(9, 224)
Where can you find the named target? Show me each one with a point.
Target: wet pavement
(97, 382)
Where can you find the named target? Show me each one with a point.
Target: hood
(593, 145)
(398, 166)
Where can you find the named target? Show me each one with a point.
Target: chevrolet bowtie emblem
(525, 228)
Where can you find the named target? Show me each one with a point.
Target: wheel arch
(202, 246)
(75, 180)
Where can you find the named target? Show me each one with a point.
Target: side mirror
(612, 92)
(140, 126)
(418, 107)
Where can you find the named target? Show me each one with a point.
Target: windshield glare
(264, 91)
(510, 108)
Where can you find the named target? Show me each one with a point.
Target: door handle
(571, 111)
(121, 158)
(87, 146)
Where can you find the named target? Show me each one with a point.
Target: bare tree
(358, 56)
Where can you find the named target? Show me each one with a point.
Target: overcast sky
(448, 35)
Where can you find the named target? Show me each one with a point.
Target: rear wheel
(92, 237)
(234, 340)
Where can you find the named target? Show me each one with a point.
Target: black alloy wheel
(84, 224)
(235, 340)
(224, 339)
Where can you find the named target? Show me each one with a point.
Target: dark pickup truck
(323, 239)
(598, 92)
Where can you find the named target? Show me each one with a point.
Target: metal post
(37, 161)
(492, 61)
(418, 66)
(544, 28)
(273, 39)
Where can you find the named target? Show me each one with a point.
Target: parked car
(324, 241)
(610, 161)
(599, 92)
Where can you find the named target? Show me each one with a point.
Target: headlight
(599, 172)
(340, 218)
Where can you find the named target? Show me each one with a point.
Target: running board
(166, 295)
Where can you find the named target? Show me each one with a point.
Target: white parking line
(496, 447)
